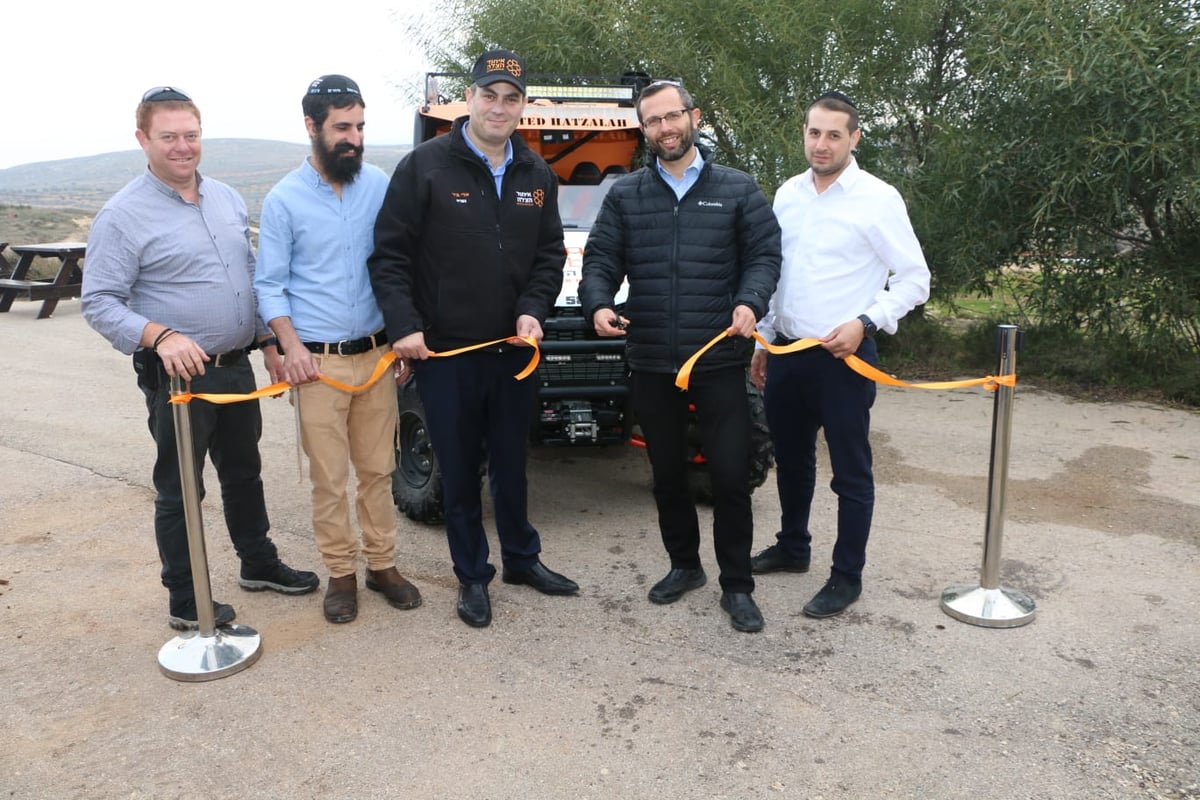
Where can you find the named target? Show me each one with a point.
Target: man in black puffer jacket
(700, 247)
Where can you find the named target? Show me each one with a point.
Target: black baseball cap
(499, 65)
(333, 84)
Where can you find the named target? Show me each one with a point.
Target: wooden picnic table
(67, 282)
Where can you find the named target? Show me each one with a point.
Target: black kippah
(834, 94)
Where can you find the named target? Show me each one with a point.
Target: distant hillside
(252, 166)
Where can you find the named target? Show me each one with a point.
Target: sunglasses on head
(161, 93)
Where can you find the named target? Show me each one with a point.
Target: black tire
(417, 481)
(762, 451)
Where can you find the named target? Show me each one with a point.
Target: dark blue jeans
(475, 409)
(723, 414)
(805, 392)
(228, 434)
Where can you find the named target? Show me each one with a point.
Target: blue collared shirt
(153, 256)
(690, 175)
(312, 254)
(497, 172)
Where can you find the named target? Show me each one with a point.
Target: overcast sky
(75, 72)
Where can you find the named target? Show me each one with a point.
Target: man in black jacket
(469, 249)
(700, 247)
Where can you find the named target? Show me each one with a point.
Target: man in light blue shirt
(317, 230)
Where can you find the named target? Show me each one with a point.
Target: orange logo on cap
(509, 65)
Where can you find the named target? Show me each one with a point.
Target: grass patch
(1062, 360)
(31, 225)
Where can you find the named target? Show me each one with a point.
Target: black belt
(230, 358)
(348, 347)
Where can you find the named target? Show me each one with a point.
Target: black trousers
(805, 392)
(723, 414)
(476, 409)
(228, 435)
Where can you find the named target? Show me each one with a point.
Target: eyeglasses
(161, 93)
(650, 123)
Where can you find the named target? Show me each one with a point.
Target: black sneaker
(278, 577)
(835, 597)
(183, 616)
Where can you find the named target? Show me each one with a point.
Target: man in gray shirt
(169, 279)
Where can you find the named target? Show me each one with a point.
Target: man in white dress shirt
(851, 267)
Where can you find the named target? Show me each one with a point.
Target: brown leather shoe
(341, 599)
(398, 591)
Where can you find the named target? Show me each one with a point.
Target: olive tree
(1055, 134)
(1079, 159)
(752, 65)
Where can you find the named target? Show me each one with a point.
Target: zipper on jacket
(674, 335)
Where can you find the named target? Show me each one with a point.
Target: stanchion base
(192, 657)
(990, 608)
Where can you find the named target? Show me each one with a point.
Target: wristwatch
(869, 327)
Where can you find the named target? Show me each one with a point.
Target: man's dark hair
(658, 86)
(836, 101)
(330, 91)
(317, 106)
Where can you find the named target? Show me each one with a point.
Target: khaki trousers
(338, 429)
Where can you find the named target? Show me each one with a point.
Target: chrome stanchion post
(210, 652)
(989, 604)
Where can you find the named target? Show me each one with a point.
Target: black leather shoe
(474, 605)
(677, 583)
(544, 580)
(835, 597)
(743, 612)
(776, 559)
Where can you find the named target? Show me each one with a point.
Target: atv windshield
(580, 204)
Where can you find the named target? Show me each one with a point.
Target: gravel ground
(605, 695)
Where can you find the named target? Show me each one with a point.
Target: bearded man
(315, 294)
(700, 247)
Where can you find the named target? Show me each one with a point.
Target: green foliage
(1078, 157)
(1057, 137)
(1053, 357)
(1064, 358)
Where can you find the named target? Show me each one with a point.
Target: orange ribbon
(529, 340)
(990, 382)
(385, 360)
